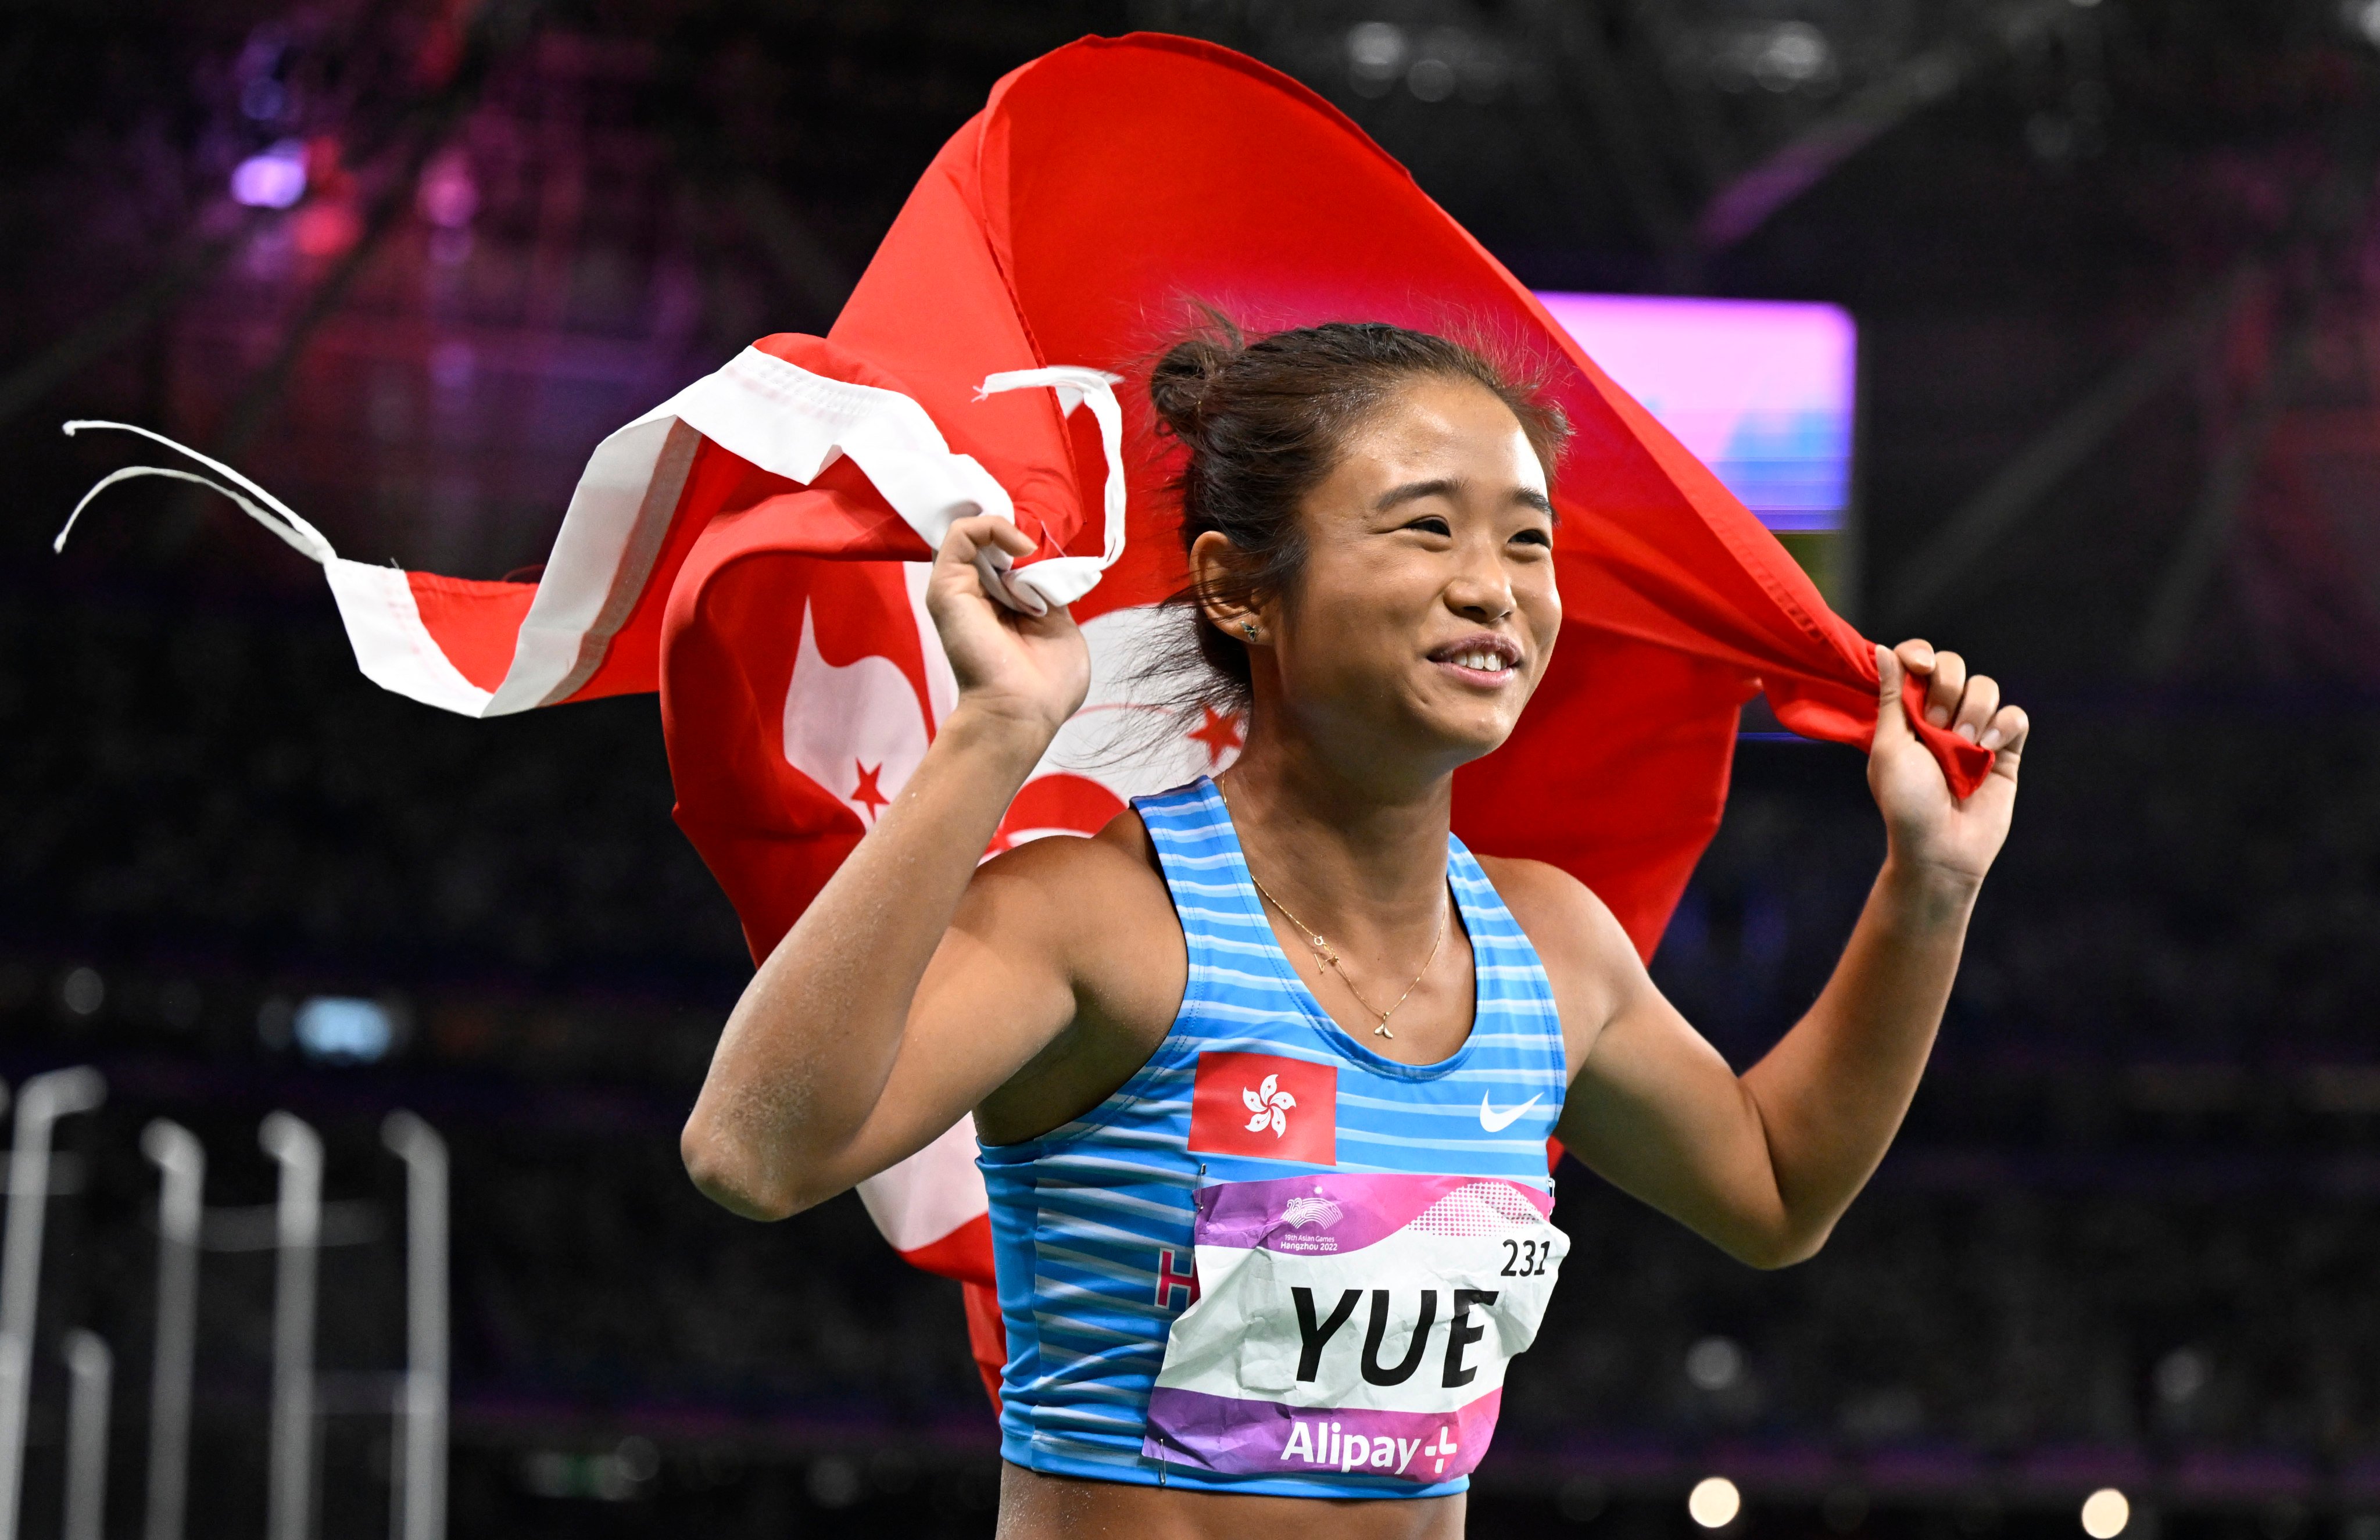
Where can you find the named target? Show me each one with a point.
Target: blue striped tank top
(1274, 1261)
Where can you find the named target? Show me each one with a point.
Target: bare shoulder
(1588, 958)
(1098, 908)
(1079, 871)
(1554, 908)
(1097, 900)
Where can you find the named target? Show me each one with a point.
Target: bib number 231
(1354, 1323)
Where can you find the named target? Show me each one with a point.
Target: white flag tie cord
(392, 648)
(782, 418)
(1062, 579)
(282, 519)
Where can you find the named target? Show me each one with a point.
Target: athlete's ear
(1219, 576)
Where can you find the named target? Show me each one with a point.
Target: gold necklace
(1330, 955)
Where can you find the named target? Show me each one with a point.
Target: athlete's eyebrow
(1447, 486)
(1444, 486)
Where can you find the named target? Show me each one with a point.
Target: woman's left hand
(1923, 822)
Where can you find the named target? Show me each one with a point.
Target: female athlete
(1263, 1072)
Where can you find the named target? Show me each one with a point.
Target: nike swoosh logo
(1494, 1121)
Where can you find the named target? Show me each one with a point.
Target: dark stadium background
(2117, 268)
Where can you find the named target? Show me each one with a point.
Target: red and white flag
(753, 548)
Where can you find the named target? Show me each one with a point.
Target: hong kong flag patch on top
(1260, 1105)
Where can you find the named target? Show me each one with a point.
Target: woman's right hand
(1033, 669)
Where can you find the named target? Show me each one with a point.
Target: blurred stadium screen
(1764, 392)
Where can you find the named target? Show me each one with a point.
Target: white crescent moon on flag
(857, 729)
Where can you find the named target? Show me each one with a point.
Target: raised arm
(829, 1069)
(1765, 1164)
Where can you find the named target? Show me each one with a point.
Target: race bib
(1352, 1323)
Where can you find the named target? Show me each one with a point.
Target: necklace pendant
(1382, 1030)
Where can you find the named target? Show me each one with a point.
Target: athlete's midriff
(1038, 1506)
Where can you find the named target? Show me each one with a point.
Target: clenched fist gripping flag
(752, 548)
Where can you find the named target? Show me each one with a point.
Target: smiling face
(1426, 608)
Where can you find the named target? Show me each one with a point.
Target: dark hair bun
(1178, 386)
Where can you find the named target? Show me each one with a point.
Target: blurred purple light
(275, 179)
(263, 99)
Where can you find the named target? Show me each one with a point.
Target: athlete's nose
(1481, 592)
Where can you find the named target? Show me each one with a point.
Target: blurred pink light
(275, 179)
(448, 197)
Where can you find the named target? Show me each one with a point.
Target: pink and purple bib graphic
(1353, 1322)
